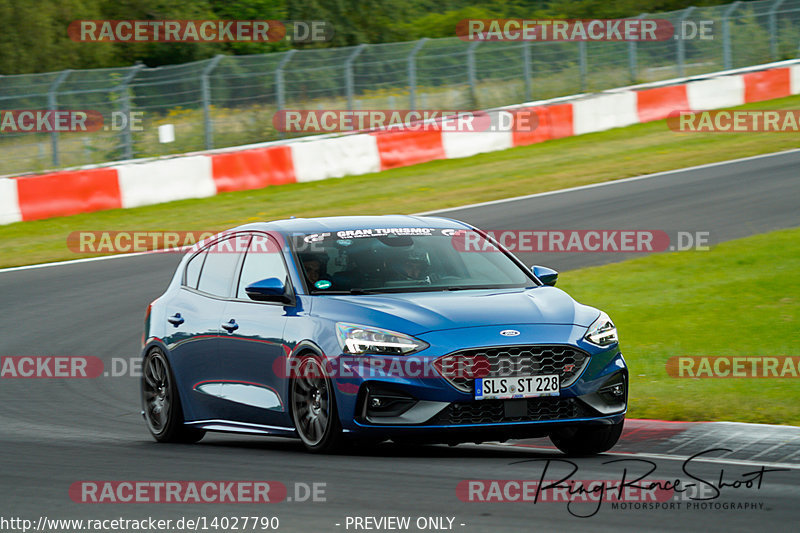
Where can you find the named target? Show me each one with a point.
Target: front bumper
(387, 404)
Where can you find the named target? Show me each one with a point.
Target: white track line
(612, 182)
(791, 455)
(458, 208)
(73, 261)
(702, 435)
(774, 447)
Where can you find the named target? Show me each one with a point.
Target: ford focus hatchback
(350, 330)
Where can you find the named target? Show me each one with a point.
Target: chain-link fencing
(231, 100)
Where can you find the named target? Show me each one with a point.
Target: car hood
(419, 312)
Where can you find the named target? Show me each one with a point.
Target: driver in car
(414, 267)
(314, 266)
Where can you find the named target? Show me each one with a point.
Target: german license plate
(517, 387)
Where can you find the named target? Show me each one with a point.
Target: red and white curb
(740, 443)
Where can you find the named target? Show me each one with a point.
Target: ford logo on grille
(509, 333)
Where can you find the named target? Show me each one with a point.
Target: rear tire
(161, 402)
(587, 440)
(313, 405)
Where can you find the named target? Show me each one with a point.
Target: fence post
(206, 95)
(473, 91)
(526, 69)
(582, 63)
(127, 138)
(727, 60)
(632, 64)
(773, 30)
(280, 89)
(412, 73)
(52, 105)
(681, 50)
(348, 73)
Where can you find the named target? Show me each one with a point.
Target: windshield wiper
(356, 290)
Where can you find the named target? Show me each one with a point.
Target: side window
(264, 259)
(192, 273)
(219, 268)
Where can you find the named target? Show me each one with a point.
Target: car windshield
(404, 260)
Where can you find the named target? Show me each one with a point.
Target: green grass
(739, 299)
(597, 157)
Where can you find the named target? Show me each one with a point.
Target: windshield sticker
(382, 232)
(316, 237)
(323, 284)
(344, 242)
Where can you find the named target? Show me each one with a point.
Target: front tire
(587, 440)
(161, 402)
(313, 404)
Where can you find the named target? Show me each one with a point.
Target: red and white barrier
(335, 157)
(716, 93)
(404, 148)
(9, 204)
(68, 193)
(165, 180)
(132, 184)
(468, 143)
(794, 79)
(766, 85)
(603, 112)
(554, 122)
(242, 170)
(659, 102)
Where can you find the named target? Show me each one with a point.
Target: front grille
(493, 411)
(460, 368)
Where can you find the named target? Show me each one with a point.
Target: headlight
(355, 339)
(602, 332)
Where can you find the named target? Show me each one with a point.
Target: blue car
(348, 330)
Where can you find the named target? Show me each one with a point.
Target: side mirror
(267, 290)
(548, 276)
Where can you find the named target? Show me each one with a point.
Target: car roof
(333, 224)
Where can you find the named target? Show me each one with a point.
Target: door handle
(231, 326)
(176, 320)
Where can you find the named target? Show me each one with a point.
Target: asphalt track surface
(56, 432)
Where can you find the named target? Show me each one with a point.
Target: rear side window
(264, 259)
(193, 268)
(219, 268)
